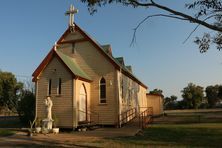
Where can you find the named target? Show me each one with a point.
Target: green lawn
(190, 116)
(183, 135)
(4, 132)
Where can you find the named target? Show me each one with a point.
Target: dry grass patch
(183, 135)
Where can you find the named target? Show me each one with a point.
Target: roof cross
(71, 13)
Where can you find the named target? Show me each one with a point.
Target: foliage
(207, 13)
(212, 95)
(210, 12)
(26, 107)
(9, 90)
(38, 122)
(220, 92)
(170, 102)
(4, 132)
(181, 105)
(156, 91)
(31, 123)
(54, 117)
(192, 95)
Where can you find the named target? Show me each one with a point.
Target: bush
(26, 107)
(4, 132)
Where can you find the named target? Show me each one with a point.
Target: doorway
(82, 104)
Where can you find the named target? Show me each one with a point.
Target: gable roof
(98, 47)
(129, 67)
(107, 48)
(127, 70)
(120, 60)
(71, 64)
(66, 60)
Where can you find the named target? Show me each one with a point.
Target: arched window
(102, 90)
(49, 86)
(59, 86)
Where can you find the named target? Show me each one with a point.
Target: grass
(4, 132)
(183, 135)
(191, 116)
(164, 133)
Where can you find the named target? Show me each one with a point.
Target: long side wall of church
(132, 95)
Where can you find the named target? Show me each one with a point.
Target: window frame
(49, 90)
(102, 91)
(59, 86)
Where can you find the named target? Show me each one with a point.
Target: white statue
(48, 104)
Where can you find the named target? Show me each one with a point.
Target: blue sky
(159, 58)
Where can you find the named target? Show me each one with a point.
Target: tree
(207, 13)
(9, 87)
(156, 91)
(192, 95)
(170, 102)
(26, 106)
(212, 95)
(220, 92)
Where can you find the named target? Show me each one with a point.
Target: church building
(86, 82)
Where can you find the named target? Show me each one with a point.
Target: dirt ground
(96, 138)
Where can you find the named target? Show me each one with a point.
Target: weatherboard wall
(62, 104)
(155, 101)
(96, 66)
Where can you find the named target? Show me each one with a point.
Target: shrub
(26, 107)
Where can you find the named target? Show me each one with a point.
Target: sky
(28, 30)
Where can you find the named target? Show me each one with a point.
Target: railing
(146, 117)
(126, 116)
(89, 115)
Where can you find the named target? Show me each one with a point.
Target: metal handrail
(126, 116)
(145, 117)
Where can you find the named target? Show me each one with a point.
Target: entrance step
(85, 125)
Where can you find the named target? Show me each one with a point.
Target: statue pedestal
(47, 124)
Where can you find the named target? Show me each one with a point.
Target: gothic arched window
(102, 90)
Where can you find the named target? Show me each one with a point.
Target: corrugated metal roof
(129, 67)
(76, 70)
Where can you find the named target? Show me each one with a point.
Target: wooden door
(82, 104)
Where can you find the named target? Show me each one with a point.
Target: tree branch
(197, 27)
(146, 18)
(191, 33)
(177, 13)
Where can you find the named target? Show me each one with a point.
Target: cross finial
(71, 13)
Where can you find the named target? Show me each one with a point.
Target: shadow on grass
(177, 136)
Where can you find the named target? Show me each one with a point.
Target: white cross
(71, 13)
